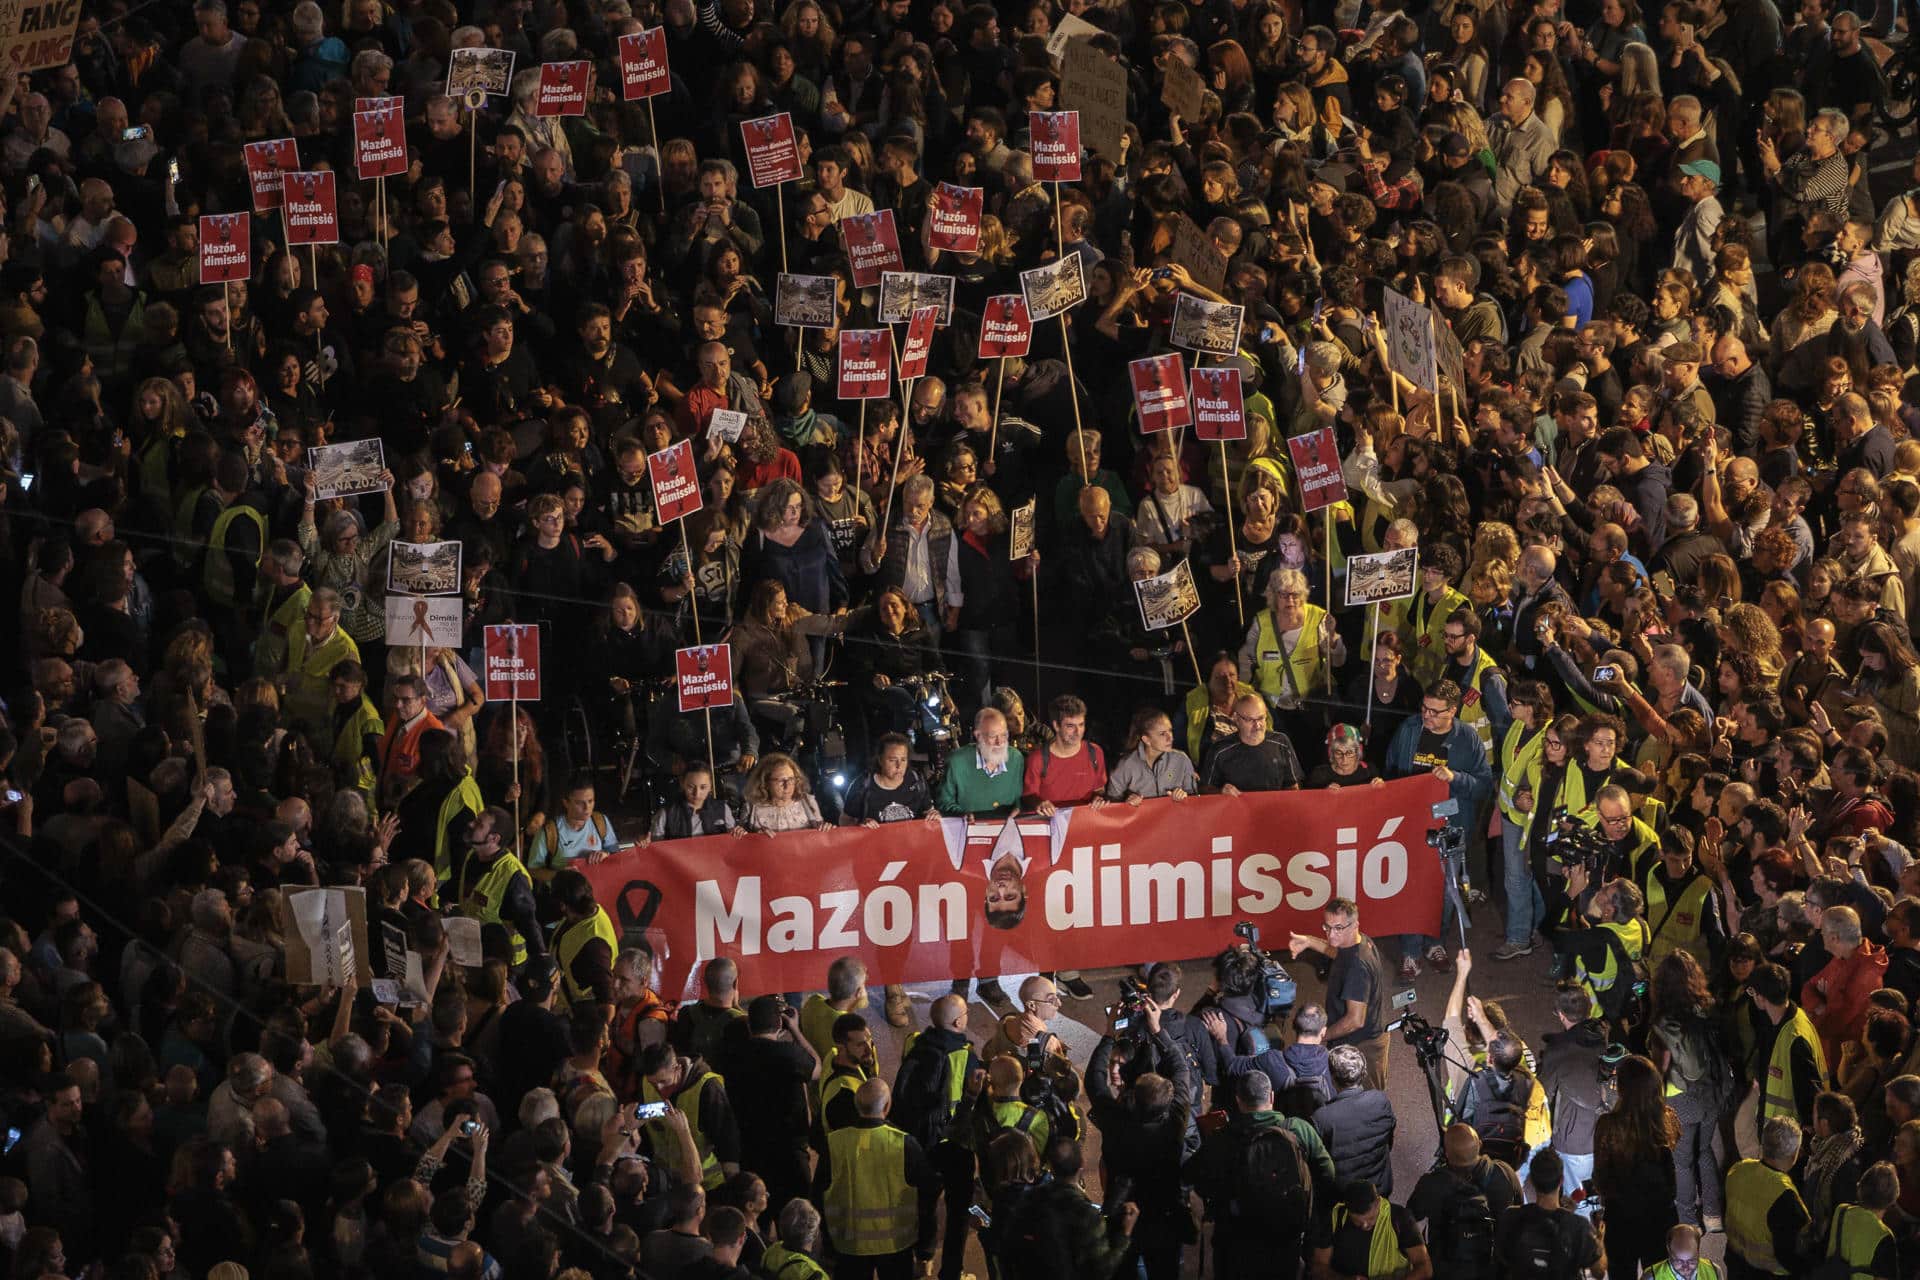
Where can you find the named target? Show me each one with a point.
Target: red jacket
(1836, 997)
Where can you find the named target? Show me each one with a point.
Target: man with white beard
(983, 781)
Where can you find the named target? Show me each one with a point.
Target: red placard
(1219, 404)
(919, 344)
(1160, 392)
(772, 155)
(226, 247)
(676, 483)
(1098, 886)
(311, 207)
(953, 218)
(1005, 327)
(1054, 143)
(866, 364)
(1316, 464)
(872, 242)
(379, 143)
(643, 65)
(563, 89)
(395, 103)
(512, 660)
(706, 676)
(266, 161)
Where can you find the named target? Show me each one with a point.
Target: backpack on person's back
(1541, 1244)
(1274, 1192)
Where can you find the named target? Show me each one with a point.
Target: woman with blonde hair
(1903, 323)
(1293, 114)
(778, 799)
(810, 38)
(1746, 628)
(1809, 315)
(1732, 288)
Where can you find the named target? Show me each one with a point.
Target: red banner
(919, 344)
(643, 65)
(924, 901)
(1219, 404)
(676, 484)
(872, 242)
(379, 144)
(1160, 392)
(512, 662)
(563, 89)
(705, 676)
(953, 218)
(1054, 143)
(226, 247)
(266, 161)
(1005, 327)
(311, 208)
(1316, 462)
(773, 157)
(866, 364)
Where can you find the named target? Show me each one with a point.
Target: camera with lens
(1427, 1041)
(1129, 1013)
(1575, 844)
(1274, 990)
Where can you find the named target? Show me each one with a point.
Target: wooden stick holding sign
(1020, 546)
(510, 653)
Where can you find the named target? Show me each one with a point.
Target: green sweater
(967, 791)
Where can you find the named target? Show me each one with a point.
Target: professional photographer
(1576, 1074)
(1191, 1047)
(1236, 995)
(1146, 1135)
(1459, 1200)
(1357, 1124)
(1609, 956)
(1024, 1036)
(1357, 997)
(1261, 1175)
(1682, 909)
(935, 1071)
(1504, 1103)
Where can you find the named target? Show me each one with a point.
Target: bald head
(949, 1013)
(1462, 1146)
(873, 1099)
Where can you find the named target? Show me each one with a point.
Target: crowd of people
(1666, 510)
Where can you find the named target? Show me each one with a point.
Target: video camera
(1274, 990)
(1129, 1014)
(1574, 843)
(1448, 839)
(1428, 1041)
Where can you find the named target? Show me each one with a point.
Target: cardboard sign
(1160, 392)
(417, 621)
(266, 161)
(394, 103)
(1200, 325)
(512, 662)
(872, 242)
(643, 65)
(1020, 526)
(953, 218)
(326, 932)
(1005, 327)
(379, 144)
(1194, 249)
(226, 247)
(1316, 465)
(488, 71)
(919, 344)
(1058, 286)
(772, 155)
(1410, 339)
(676, 483)
(1054, 142)
(311, 207)
(706, 676)
(866, 364)
(1183, 92)
(37, 34)
(1382, 576)
(1219, 403)
(1167, 599)
(563, 89)
(1096, 86)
